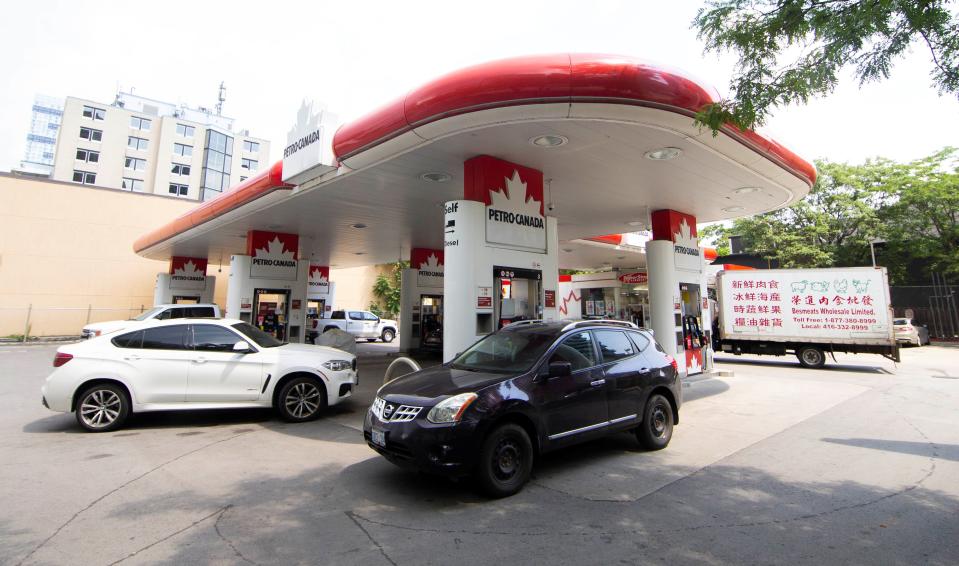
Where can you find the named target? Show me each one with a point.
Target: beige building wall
(67, 248)
(354, 285)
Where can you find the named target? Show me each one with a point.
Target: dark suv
(527, 389)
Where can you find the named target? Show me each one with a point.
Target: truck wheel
(811, 357)
(388, 335)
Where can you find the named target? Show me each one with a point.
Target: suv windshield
(148, 314)
(506, 351)
(261, 338)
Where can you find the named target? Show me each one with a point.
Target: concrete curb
(707, 376)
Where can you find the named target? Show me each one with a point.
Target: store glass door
(271, 312)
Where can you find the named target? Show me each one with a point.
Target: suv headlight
(451, 410)
(338, 365)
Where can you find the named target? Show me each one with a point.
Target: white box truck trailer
(806, 312)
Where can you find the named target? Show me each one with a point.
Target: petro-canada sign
(273, 255)
(308, 152)
(188, 273)
(429, 266)
(319, 280)
(513, 195)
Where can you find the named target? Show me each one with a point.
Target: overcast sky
(354, 56)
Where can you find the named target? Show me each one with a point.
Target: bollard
(89, 308)
(26, 325)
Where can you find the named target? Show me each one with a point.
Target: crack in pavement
(121, 486)
(352, 516)
(216, 527)
(219, 511)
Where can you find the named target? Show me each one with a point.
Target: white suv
(159, 312)
(185, 364)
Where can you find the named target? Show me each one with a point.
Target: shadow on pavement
(942, 451)
(830, 366)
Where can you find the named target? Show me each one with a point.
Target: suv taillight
(61, 358)
(672, 362)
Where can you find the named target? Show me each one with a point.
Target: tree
(913, 207)
(792, 50)
(387, 290)
(920, 220)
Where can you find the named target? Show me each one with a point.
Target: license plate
(378, 437)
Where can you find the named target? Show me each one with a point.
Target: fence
(23, 323)
(934, 306)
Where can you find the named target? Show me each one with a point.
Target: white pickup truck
(159, 312)
(361, 324)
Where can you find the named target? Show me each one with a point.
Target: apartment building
(148, 146)
(42, 137)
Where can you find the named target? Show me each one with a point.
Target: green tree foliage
(792, 50)
(913, 207)
(387, 290)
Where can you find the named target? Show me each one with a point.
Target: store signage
(636, 278)
(513, 195)
(680, 228)
(806, 302)
(549, 299)
(319, 281)
(429, 266)
(516, 273)
(188, 272)
(309, 151)
(273, 255)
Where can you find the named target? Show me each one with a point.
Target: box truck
(806, 312)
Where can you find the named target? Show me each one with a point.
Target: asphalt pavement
(856, 463)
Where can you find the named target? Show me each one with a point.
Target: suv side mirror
(242, 347)
(560, 369)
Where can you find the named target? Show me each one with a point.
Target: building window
(179, 169)
(250, 164)
(91, 134)
(217, 161)
(88, 156)
(135, 185)
(251, 146)
(184, 131)
(137, 143)
(136, 164)
(179, 190)
(84, 177)
(94, 113)
(138, 123)
(52, 126)
(181, 149)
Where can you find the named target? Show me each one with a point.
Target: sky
(355, 56)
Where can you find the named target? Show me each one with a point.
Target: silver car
(909, 333)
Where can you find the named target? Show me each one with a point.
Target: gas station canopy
(614, 137)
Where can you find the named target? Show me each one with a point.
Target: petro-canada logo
(686, 247)
(188, 273)
(305, 132)
(273, 255)
(429, 266)
(513, 195)
(319, 280)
